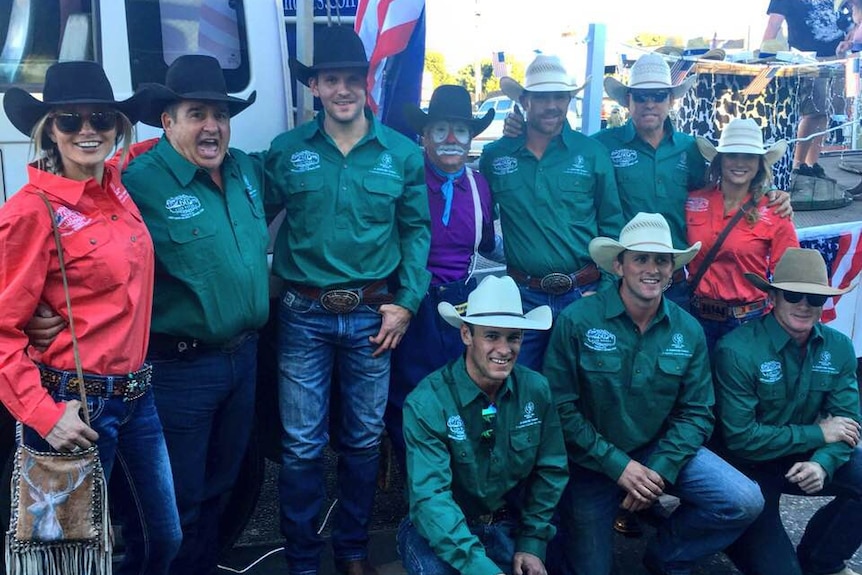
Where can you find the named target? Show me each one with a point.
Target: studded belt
(557, 283)
(129, 386)
(345, 300)
(716, 310)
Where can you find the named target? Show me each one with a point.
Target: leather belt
(501, 514)
(715, 310)
(164, 346)
(557, 283)
(129, 386)
(345, 300)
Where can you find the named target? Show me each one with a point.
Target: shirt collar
(779, 336)
(183, 170)
(615, 307)
(466, 389)
(66, 190)
(314, 128)
(670, 134)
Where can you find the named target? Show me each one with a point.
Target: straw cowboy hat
(742, 136)
(66, 83)
(801, 271)
(189, 77)
(544, 74)
(335, 48)
(496, 303)
(644, 233)
(650, 72)
(451, 103)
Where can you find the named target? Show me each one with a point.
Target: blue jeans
(311, 341)
(419, 559)
(831, 537)
(429, 344)
(715, 330)
(534, 341)
(717, 503)
(206, 404)
(130, 435)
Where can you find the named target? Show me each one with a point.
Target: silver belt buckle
(339, 300)
(556, 283)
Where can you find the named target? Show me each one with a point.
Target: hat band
(548, 82)
(630, 246)
(495, 313)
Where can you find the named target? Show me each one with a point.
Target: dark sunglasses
(72, 122)
(796, 297)
(641, 96)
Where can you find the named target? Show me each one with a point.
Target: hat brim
(24, 111)
(798, 287)
(619, 92)
(303, 73)
(538, 319)
(511, 88)
(155, 97)
(771, 155)
(417, 119)
(604, 252)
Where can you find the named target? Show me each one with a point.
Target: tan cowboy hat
(799, 270)
(544, 74)
(650, 72)
(644, 233)
(742, 136)
(496, 302)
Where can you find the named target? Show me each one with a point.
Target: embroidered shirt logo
(578, 167)
(770, 372)
(682, 164)
(304, 161)
(696, 205)
(120, 193)
(70, 221)
(824, 364)
(250, 190)
(765, 215)
(456, 428)
(529, 419)
(677, 346)
(385, 166)
(504, 165)
(600, 340)
(624, 158)
(183, 207)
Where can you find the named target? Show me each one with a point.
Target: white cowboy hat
(644, 233)
(496, 302)
(742, 136)
(801, 271)
(650, 72)
(544, 74)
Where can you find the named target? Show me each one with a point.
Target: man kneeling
(486, 463)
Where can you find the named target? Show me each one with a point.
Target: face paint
(439, 132)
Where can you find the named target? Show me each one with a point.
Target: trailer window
(161, 31)
(37, 33)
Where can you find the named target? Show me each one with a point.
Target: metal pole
(592, 118)
(304, 53)
(477, 67)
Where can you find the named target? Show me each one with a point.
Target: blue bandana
(448, 189)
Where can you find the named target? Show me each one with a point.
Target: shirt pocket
(524, 447)
(380, 199)
(90, 259)
(465, 468)
(664, 389)
(771, 392)
(606, 368)
(193, 249)
(576, 192)
(304, 209)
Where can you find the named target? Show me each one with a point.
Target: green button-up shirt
(454, 475)
(354, 219)
(212, 277)
(551, 208)
(770, 392)
(655, 180)
(618, 389)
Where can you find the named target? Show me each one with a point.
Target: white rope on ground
(823, 133)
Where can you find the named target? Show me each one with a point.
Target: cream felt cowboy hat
(544, 74)
(496, 302)
(644, 233)
(650, 72)
(742, 136)
(799, 270)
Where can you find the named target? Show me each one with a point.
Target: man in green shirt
(352, 251)
(486, 463)
(788, 413)
(630, 375)
(556, 190)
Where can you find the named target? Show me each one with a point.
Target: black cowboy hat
(190, 77)
(334, 48)
(448, 102)
(66, 83)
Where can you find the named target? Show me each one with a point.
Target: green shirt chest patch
(304, 161)
(504, 166)
(528, 419)
(624, 158)
(183, 207)
(678, 346)
(600, 340)
(578, 167)
(456, 428)
(824, 364)
(385, 166)
(770, 372)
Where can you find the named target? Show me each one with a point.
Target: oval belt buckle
(556, 283)
(339, 300)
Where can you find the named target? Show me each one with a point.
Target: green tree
(435, 64)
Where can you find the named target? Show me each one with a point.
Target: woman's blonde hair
(45, 151)
(758, 186)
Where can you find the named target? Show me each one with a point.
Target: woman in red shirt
(109, 263)
(738, 176)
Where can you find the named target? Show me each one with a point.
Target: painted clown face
(447, 144)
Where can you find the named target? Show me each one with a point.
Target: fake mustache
(451, 150)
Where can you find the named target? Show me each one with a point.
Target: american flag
(385, 27)
(760, 82)
(498, 63)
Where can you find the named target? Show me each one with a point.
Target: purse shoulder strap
(79, 370)
(713, 251)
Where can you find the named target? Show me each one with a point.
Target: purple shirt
(452, 246)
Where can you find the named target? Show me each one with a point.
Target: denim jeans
(715, 330)
(534, 342)
(831, 537)
(130, 435)
(717, 503)
(418, 558)
(311, 342)
(206, 404)
(429, 344)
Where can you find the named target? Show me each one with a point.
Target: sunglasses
(72, 122)
(489, 415)
(796, 297)
(641, 96)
